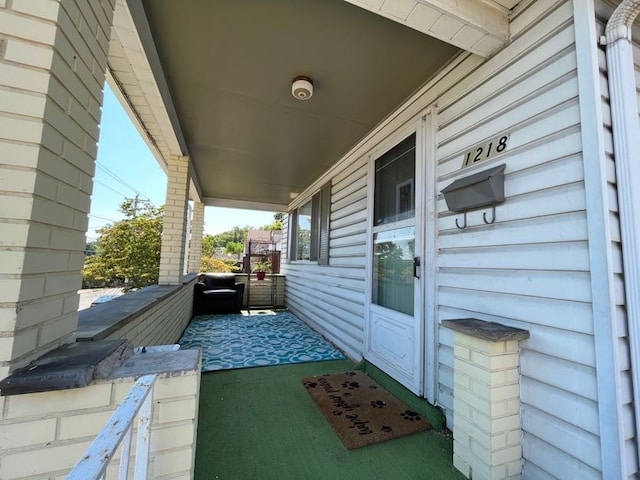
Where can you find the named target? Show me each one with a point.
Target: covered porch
(209, 87)
(294, 106)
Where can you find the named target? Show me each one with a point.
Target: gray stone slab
(491, 331)
(174, 362)
(73, 365)
(100, 321)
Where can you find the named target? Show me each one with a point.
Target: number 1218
(486, 151)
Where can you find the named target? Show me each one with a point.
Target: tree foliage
(208, 264)
(128, 251)
(91, 248)
(276, 224)
(210, 242)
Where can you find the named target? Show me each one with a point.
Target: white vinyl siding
(531, 269)
(330, 298)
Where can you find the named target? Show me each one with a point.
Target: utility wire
(121, 181)
(124, 195)
(102, 218)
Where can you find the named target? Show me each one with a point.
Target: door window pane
(393, 269)
(394, 183)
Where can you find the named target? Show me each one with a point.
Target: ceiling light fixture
(302, 87)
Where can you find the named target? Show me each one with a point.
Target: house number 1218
(486, 151)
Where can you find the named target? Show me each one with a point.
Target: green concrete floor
(260, 424)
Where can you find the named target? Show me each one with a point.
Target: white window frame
(320, 214)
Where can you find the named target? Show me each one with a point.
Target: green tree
(128, 251)
(208, 245)
(235, 248)
(91, 248)
(276, 224)
(236, 234)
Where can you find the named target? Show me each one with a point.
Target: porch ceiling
(223, 73)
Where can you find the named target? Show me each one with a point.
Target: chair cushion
(214, 281)
(220, 292)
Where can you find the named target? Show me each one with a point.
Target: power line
(121, 181)
(102, 218)
(124, 195)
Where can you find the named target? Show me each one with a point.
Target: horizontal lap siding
(330, 298)
(531, 268)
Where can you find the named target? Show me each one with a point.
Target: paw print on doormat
(311, 384)
(351, 374)
(378, 403)
(386, 428)
(411, 416)
(350, 385)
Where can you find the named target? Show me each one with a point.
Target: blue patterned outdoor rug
(232, 341)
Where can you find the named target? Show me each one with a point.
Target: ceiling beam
(478, 26)
(243, 204)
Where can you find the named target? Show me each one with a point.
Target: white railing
(93, 464)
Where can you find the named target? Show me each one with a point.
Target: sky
(125, 167)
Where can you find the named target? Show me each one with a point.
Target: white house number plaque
(485, 151)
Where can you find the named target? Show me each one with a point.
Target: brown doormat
(361, 411)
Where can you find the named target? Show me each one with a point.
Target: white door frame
(425, 381)
(430, 253)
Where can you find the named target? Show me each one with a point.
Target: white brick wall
(42, 435)
(52, 68)
(259, 293)
(164, 323)
(197, 231)
(175, 222)
(486, 420)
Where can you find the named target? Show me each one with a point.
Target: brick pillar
(53, 58)
(174, 229)
(197, 230)
(486, 399)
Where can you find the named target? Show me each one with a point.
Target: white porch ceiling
(212, 80)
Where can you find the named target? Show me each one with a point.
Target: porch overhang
(475, 26)
(211, 81)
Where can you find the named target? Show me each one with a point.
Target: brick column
(53, 58)
(174, 229)
(197, 230)
(486, 399)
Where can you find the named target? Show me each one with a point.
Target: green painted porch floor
(261, 424)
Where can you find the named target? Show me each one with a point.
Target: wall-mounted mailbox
(481, 189)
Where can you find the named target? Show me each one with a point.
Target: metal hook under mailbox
(464, 225)
(493, 217)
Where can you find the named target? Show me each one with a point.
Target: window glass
(309, 228)
(394, 187)
(304, 232)
(393, 269)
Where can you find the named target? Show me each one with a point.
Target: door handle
(416, 265)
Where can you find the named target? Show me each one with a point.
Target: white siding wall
(331, 297)
(530, 269)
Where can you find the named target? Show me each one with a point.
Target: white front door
(395, 326)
